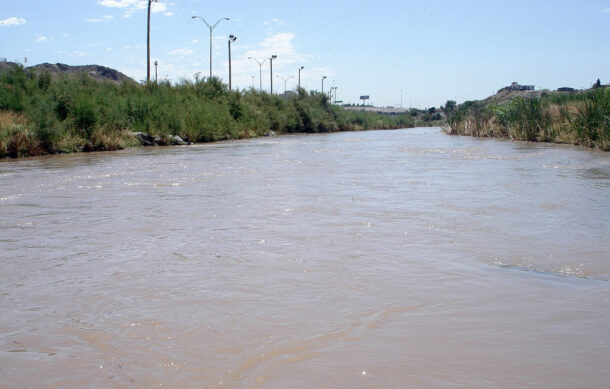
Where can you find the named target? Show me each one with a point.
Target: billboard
(366, 97)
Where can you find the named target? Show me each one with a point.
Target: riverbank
(577, 117)
(42, 113)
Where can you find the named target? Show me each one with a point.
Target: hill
(96, 72)
(4, 65)
(505, 95)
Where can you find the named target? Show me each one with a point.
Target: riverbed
(378, 259)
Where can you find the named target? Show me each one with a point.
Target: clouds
(132, 6)
(106, 18)
(288, 59)
(14, 21)
(42, 39)
(274, 21)
(181, 52)
(281, 45)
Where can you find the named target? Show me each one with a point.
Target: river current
(382, 259)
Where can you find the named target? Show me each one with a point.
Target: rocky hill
(505, 95)
(6, 65)
(96, 71)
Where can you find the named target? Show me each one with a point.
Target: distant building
(565, 89)
(517, 86)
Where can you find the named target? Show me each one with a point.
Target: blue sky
(431, 50)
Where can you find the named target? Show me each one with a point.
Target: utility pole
(156, 64)
(148, 42)
(323, 78)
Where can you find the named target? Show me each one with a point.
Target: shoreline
(187, 144)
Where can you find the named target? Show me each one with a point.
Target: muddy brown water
(381, 259)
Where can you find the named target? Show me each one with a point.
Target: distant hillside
(96, 71)
(505, 95)
(6, 65)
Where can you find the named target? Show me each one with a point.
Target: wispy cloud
(181, 52)
(42, 39)
(282, 45)
(106, 18)
(132, 6)
(606, 11)
(121, 3)
(14, 21)
(274, 21)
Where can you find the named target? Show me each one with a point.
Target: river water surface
(382, 259)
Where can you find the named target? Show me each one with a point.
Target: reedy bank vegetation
(44, 114)
(577, 118)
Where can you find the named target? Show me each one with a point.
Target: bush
(67, 113)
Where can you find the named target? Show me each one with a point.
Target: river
(379, 259)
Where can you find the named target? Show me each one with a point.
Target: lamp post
(148, 43)
(211, 29)
(156, 64)
(285, 81)
(301, 68)
(323, 78)
(271, 67)
(260, 73)
(232, 38)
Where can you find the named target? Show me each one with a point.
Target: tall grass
(45, 114)
(579, 118)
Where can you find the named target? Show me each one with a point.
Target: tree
(450, 105)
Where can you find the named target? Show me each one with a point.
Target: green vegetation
(44, 114)
(577, 118)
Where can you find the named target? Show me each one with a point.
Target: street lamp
(271, 66)
(148, 43)
(301, 68)
(232, 38)
(156, 64)
(211, 28)
(260, 72)
(323, 78)
(285, 81)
